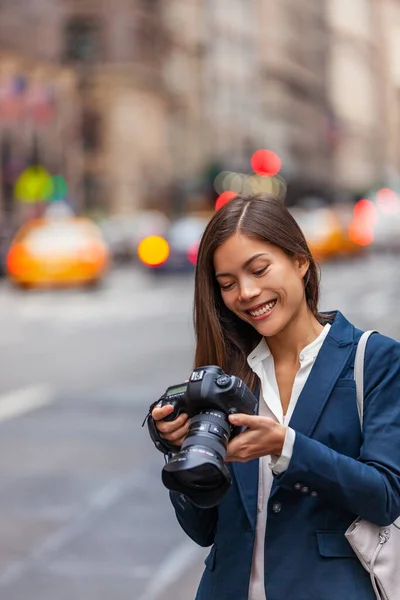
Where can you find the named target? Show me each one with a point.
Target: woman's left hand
(263, 437)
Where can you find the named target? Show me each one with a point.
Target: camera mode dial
(223, 381)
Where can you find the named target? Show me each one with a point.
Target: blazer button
(276, 507)
(297, 486)
(304, 490)
(314, 494)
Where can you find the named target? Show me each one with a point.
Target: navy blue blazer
(335, 474)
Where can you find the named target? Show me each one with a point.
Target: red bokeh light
(224, 198)
(365, 212)
(265, 163)
(360, 233)
(361, 229)
(193, 252)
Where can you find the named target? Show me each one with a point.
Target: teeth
(261, 311)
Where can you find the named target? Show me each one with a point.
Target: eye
(226, 287)
(260, 272)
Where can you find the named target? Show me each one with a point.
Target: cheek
(295, 292)
(292, 289)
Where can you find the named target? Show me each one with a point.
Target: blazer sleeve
(369, 486)
(198, 523)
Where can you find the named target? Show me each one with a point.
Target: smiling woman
(301, 470)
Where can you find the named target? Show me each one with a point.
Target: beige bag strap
(359, 372)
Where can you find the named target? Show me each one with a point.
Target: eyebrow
(245, 264)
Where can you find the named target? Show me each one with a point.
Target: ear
(301, 263)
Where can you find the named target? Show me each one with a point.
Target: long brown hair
(221, 337)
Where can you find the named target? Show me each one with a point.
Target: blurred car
(123, 233)
(182, 241)
(57, 252)
(326, 230)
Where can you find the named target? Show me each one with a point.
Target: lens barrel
(198, 470)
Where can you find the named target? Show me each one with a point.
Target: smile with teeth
(262, 310)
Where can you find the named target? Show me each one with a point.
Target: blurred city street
(125, 125)
(83, 512)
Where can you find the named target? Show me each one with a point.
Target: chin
(269, 328)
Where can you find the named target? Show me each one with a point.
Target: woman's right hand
(174, 431)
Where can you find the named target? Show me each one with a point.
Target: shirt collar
(261, 351)
(311, 351)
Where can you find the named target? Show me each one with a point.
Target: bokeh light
(193, 252)
(224, 198)
(55, 189)
(388, 201)
(361, 228)
(219, 182)
(365, 212)
(360, 233)
(153, 251)
(265, 163)
(32, 184)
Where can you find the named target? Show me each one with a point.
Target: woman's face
(260, 283)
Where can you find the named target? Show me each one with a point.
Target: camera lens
(198, 470)
(204, 476)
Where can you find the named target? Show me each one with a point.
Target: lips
(262, 308)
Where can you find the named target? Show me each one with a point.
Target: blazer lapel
(328, 365)
(331, 359)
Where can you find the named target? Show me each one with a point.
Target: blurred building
(390, 30)
(171, 90)
(358, 86)
(293, 90)
(39, 120)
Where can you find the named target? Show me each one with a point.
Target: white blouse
(261, 362)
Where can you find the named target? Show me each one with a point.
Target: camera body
(209, 397)
(209, 388)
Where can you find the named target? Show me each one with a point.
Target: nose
(248, 291)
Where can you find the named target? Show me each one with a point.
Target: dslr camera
(197, 468)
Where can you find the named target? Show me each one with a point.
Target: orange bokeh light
(265, 163)
(153, 251)
(224, 198)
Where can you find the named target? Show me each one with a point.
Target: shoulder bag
(377, 548)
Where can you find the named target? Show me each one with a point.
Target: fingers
(168, 427)
(160, 412)
(242, 419)
(178, 435)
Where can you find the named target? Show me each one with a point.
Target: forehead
(239, 248)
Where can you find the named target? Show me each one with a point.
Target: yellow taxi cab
(64, 252)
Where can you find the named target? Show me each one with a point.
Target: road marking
(19, 402)
(173, 567)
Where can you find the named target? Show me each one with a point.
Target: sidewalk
(186, 587)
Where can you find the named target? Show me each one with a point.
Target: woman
(302, 471)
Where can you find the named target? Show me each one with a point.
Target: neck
(286, 345)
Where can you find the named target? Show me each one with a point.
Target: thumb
(242, 419)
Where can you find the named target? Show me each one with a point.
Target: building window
(82, 41)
